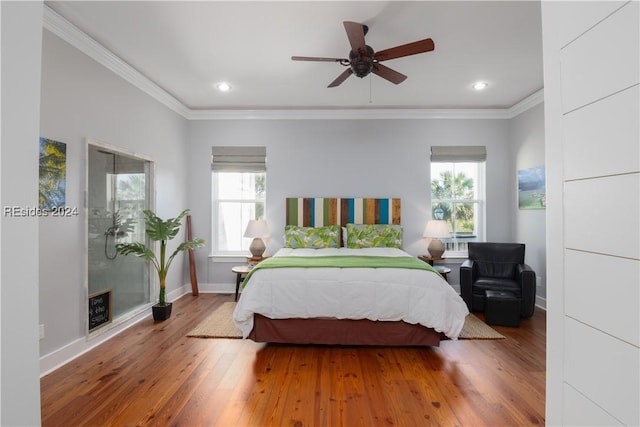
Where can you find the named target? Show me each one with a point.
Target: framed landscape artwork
(53, 174)
(531, 188)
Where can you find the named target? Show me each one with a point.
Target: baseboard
(211, 288)
(57, 358)
(54, 360)
(541, 303)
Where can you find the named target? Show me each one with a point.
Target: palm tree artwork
(53, 174)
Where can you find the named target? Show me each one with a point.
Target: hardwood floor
(153, 375)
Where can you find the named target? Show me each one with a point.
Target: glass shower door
(118, 190)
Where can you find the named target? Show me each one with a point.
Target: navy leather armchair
(497, 267)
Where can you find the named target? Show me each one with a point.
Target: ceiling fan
(364, 60)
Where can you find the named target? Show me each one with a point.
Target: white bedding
(414, 296)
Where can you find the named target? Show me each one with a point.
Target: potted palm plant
(159, 230)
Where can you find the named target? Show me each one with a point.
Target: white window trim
(216, 253)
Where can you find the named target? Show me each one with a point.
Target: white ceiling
(187, 47)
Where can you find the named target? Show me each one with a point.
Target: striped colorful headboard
(317, 212)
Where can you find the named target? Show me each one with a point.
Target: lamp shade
(257, 228)
(436, 229)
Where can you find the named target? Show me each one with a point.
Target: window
(457, 194)
(129, 191)
(239, 192)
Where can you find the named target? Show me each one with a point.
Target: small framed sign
(99, 309)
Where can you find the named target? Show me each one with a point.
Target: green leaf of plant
(160, 230)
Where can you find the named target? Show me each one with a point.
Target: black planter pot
(161, 312)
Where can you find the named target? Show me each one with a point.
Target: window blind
(239, 159)
(471, 153)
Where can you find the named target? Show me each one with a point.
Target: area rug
(219, 324)
(476, 329)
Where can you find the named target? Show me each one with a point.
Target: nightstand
(241, 272)
(444, 271)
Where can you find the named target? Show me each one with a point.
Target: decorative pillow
(374, 236)
(312, 237)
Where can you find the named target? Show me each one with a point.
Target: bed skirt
(342, 332)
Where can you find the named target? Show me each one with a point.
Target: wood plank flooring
(153, 375)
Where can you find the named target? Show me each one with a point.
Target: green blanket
(346, 261)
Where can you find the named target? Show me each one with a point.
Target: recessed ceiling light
(223, 87)
(480, 85)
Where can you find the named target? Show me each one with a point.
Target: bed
(347, 283)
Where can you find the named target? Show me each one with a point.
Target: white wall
(526, 138)
(349, 158)
(21, 48)
(82, 99)
(592, 122)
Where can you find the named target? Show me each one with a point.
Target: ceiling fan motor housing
(361, 63)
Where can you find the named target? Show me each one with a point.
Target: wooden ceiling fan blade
(342, 77)
(420, 46)
(387, 73)
(314, 58)
(355, 34)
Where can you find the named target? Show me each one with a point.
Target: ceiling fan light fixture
(480, 85)
(223, 86)
(363, 60)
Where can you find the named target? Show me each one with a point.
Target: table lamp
(435, 230)
(257, 228)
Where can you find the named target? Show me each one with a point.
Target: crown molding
(527, 103)
(363, 114)
(68, 32)
(349, 114)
